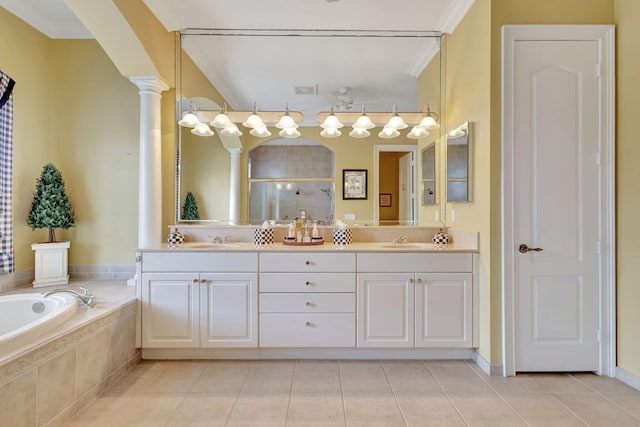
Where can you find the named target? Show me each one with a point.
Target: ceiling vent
(305, 89)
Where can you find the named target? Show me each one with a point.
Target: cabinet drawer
(307, 282)
(199, 261)
(308, 261)
(307, 330)
(307, 303)
(415, 262)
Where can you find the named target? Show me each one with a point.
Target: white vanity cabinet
(199, 299)
(415, 300)
(307, 299)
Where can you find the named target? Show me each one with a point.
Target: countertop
(326, 247)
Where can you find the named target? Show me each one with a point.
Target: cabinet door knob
(419, 280)
(308, 324)
(308, 304)
(308, 262)
(411, 280)
(307, 283)
(195, 281)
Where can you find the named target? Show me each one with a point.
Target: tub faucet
(84, 296)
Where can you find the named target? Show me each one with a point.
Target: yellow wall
(628, 177)
(72, 108)
(468, 68)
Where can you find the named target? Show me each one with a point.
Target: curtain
(6, 176)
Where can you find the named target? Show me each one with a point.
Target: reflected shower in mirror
(286, 176)
(459, 164)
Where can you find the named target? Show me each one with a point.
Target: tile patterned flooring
(326, 393)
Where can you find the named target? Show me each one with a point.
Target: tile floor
(355, 393)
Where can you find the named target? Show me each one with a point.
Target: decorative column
(150, 183)
(234, 185)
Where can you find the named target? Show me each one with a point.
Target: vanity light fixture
(418, 132)
(260, 131)
(189, 119)
(287, 122)
(254, 120)
(359, 133)
(230, 129)
(221, 120)
(396, 122)
(388, 133)
(289, 133)
(331, 121)
(363, 122)
(459, 131)
(202, 129)
(430, 120)
(330, 132)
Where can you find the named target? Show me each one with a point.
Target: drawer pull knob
(308, 324)
(308, 283)
(309, 304)
(308, 262)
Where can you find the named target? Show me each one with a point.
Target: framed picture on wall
(385, 200)
(354, 184)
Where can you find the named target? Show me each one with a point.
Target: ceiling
(356, 55)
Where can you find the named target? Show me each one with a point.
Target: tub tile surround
(25, 278)
(63, 371)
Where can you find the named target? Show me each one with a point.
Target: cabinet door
(385, 310)
(229, 307)
(444, 310)
(170, 310)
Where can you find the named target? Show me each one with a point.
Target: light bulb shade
(220, 120)
(253, 121)
(289, 133)
(388, 132)
(231, 129)
(418, 132)
(363, 122)
(261, 132)
(331, 121)
(456, 133)
(286, 122)
(396, 122)
(189, 120)
(359, 133)
(428, 123)
(330, 133)
(202, 129)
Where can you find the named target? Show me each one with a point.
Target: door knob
(524, 249)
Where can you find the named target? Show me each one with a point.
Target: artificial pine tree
(51, 207)
(190, 208)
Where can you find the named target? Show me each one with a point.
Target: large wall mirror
(248, 179)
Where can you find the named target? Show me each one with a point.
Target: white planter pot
(51, 264)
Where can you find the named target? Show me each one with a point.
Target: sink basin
(215, 245)
(404, 246)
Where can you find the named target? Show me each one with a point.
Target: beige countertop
(325, 247)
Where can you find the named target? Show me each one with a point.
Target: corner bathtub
(24, 317)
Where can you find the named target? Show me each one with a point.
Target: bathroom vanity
(362, 299)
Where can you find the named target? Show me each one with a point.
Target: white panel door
(229, 310)
(556, 206)
(385, 310)
(444, 309)
(406, 193)
(170, 310)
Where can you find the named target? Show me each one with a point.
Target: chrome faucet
(401, 240)
(84, 296)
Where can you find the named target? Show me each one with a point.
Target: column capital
(235, 151)
(149, 83)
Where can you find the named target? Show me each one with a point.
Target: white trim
(628, 378)
(454, 15)
(377, 149)
(604, 35)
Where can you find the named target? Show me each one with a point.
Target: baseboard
(628, 378)
(487, 368)
(304, 353)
